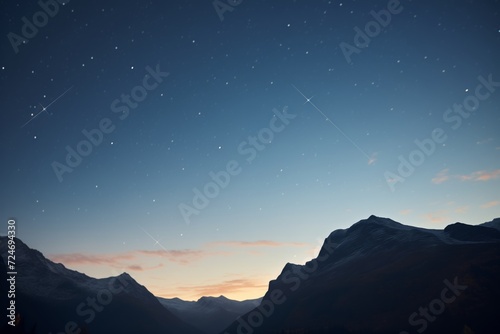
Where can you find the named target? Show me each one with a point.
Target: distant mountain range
(378, 276)
(209, 314)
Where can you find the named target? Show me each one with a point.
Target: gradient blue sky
(119, 209)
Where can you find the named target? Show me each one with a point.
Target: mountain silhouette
(380, 276)
(58, 300)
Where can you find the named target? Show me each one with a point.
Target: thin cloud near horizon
(182, 257)
(481, 175)
(258, 243)
(490, 204)
(225, 287)
(117, 260)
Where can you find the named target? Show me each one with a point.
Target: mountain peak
(221, 298)
(125, 275)
(380, 221)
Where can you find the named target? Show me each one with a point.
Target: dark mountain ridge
(58, 300)
(375, 276)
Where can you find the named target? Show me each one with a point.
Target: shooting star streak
(45, 108)
(22, 126)
(156, 241)
(370, 159)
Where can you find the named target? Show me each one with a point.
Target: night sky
(200, 149)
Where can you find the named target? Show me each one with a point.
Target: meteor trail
(156, 241)
(45, 108)
(370, 159)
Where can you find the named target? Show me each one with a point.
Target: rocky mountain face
(380, 276)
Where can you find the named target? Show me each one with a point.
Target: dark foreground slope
(380, 276)
(59, 300)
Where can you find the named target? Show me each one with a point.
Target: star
(308, 99)
(44, 109)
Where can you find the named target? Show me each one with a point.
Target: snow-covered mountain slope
(373, 277)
